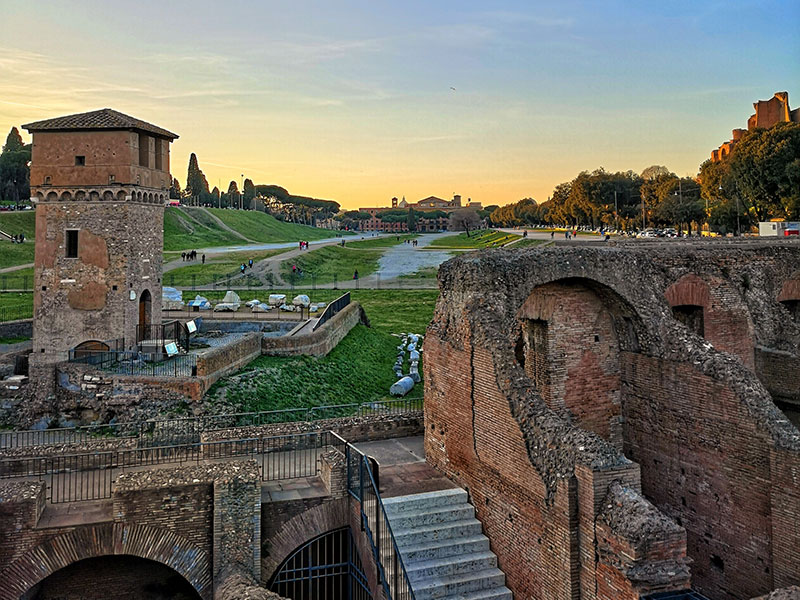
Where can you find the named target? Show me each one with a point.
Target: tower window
(111, 179)
(80, 161)
(72, 243)
(47, 180)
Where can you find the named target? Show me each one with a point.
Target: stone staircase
(443, 548)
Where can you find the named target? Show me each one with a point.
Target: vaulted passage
(326, 568)
(117, 577)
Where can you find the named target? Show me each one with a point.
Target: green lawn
(14, 223)
(328, 261)
(261, 227)
(16, 305)
(358, 370)
(390, 311)
(216, 267)
(12, 254)
(381, 242)
(527, 242)
(489, 238)
(184, 233)
(21, 279)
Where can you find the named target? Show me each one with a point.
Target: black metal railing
(391, 572)
(174, 331)
(16, 312)
(332, 309)
(16, 282)
(183, 430)
(133, 362)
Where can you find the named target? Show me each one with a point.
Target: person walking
(250, 263)
(183, 256)
(355, 274)
(203, 258)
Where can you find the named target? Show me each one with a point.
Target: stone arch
(108, 196)
(301, 528)
(156, 544)
(714, 310)
(121, 196)
(52, 196)
(80, 195)
(789, 296)
(39, 196)
(94, 196)
(150, 197)
(139, 196)
(572, 333)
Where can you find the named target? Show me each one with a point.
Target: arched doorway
(327, 567)
(145, 302)
(121, 577)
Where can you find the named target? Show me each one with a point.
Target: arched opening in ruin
(328, 567)
(89, 348)
(571, 335)
(692, 316)
(122, 577)
(145, 308)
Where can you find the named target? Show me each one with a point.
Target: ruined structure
(612, 413)
(768, 113)
(100, 181)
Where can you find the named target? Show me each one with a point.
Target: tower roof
(104, 118)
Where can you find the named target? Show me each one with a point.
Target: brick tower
(100, 182)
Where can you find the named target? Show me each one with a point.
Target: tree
(215, 196)
(654, 172)
(464, 219)
(232, 196)
(411, 221)
(14, 169)
(175, 189)
(249, 193)
(196, 184)
(765, 171)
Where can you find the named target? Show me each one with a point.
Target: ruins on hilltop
(768, 113)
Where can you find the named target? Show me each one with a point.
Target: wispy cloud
(511, 17)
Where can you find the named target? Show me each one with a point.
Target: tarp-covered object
(287, 307)
(200, 302)
(277, 299)
(252, 303)
(171, 298)
(231, 297)
(301, 300)
(401, 387)
(261, 307)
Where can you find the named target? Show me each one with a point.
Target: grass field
(527, 243)
(14, 223)
(482, 239)
(216, 267)
(358, 370)
(183, 233)
(12, 254)
(261, 227)
(328, 261)
(381, 242)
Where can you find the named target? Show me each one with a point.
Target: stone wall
(14, 329)
(319, 342)
(543, 365)
(218, 362)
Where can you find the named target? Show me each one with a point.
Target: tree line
(758, 181)
(14, 168)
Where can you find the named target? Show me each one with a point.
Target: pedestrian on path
(355, 274)
(203, 258)
(250, 263)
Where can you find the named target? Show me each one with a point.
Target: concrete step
(451, 565)
(442, 514)
(496, 593)
(425, 501)
(451, 531)
(444, 548)
(455, 586)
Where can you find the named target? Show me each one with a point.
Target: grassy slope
(183, 233)
(12, 254)
(330, 260)
(381, 242)
(261, 227)
(483, 239)
(14, 223)
(219, 266)
(527, 242)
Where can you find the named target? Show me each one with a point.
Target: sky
(362, 101)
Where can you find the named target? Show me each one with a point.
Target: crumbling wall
(546, 467)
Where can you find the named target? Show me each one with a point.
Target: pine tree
(196, 184)
(13, 141)
(14, 170)
(249, 192)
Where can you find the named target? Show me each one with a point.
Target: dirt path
(16, 268)
(219, 222)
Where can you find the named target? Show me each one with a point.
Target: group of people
(192, 256)
(303, 245)
(18, 239)
(243, 267)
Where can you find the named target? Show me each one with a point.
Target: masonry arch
(145, 308)
(52, 196)
(121, 196)
(80, 195)
(108, 539)
(108, 196)
(789, 296)
(572, 333)
(99, 577)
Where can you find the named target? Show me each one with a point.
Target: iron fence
(11, 281)
(133, 362)
(16, 312)
(187, 430)
(174, 331)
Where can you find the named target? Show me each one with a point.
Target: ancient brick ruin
(612, 413)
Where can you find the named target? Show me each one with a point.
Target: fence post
(194, 280)
(377, 533)
(361, 490)
(335, 286)
(378, 281)
(25, 282)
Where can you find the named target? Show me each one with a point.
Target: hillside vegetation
(488, 238)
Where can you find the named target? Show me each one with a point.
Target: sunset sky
(352, 100)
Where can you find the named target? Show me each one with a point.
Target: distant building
(768, 113)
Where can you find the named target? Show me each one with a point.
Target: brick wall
(213, 364)
(319, 342)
